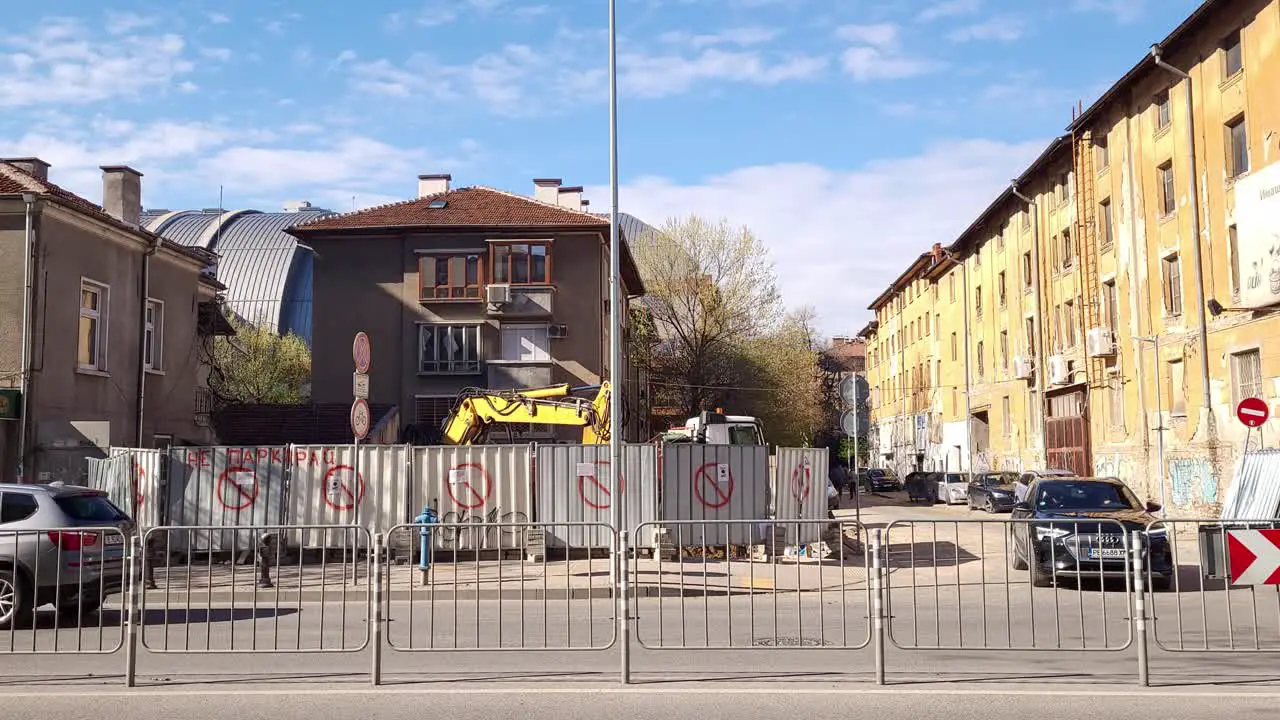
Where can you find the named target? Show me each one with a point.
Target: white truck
(714, 428)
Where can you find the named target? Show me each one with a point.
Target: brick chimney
(570, 197)
(547, 190)
(122, 193)
(35, 167)
(433, 184)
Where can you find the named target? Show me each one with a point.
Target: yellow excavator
(477, 410)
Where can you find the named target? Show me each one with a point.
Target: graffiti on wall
(1193, 482)
(1114, 465)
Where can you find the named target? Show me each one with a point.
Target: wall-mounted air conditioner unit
(1101, 342)
(1024, 367)
(498, 294)
(557, 332)
(1059, 370)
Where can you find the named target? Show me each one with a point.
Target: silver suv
(50, 552)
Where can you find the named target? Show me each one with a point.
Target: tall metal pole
(24, 367)
(1036, 319)
(615, 361)
(1194, 199)
(1160, 477)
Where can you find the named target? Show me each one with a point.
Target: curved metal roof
(266, 271)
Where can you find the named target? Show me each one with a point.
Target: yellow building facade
(1085, 301)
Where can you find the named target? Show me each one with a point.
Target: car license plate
(1106, 553)
(113, 539)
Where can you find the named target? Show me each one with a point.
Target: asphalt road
(676, 703)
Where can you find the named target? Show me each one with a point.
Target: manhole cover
(791, 642)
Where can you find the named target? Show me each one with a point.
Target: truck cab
(713, 428)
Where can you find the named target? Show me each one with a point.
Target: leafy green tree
(259, 366)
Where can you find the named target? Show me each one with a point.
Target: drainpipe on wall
(1194, 192)
(1041, 411)
(145, 292)
(24, 362)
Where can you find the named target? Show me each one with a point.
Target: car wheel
(80, 607)
(1040, 578)
(15, 605)
(989, 506)
(1018, 562)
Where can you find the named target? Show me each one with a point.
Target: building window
(525, 343)
(955, 352)
(1232, 57)
(450, 277)
(1115, 406)
(1057, 327)
(153, 336)
(1001, 295)
(1030, 331)
(1069, 322)
(429, 411)
(1168, 196)
(1246, 376)
(1177, 393)
(977, 302)
(448, 349)
(1026, 220)
(1068, 250)
(92, 353)
(522, 263)
(1055, 248)
(1106, 219)
(952, 284)
(1237, 148)
(1233, 248)
(1007, 420)
(1101, 153)
(1027, 273)
(1163, 117)
(981, 364)
(1171, 280)
(1004, 349)
(1111, 305)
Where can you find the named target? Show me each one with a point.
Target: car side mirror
(1154, 507)
(1022, 506)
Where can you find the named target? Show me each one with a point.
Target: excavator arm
(478, 409)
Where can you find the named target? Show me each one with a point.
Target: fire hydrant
(425, 519)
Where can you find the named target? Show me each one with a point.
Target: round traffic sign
(1253, 412)
(849, 390)
(849, 422)
(360, 418)
(361, 352)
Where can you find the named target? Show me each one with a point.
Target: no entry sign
(1255, 556)
(713, 485)
(1253, 412)
(595, 492)
(237, 488)
(469, 485)
(343, 487)
(801, 482)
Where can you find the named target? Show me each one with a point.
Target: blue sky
(849, 134)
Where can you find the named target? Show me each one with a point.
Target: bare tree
(711, 290)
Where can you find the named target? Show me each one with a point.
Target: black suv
(1076, 531)
(879, 480)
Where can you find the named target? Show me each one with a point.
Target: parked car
(1076, 531)
(992, 491)
(921, 486)
(951, 488)
(882, 480)
(1029, 476)
(50, 554)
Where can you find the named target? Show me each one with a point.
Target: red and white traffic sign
(360, 418)
(361, 352)
(1253, 412)
(1254, 556)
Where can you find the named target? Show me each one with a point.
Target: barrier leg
(1140, 611)
(623, 608)
(877, 604)
(377, 582)
(131, 612)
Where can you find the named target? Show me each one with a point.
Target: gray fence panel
(1254, 493)
(475, 485)
(799, 491)
(715, 482)
(224, 487)
(325, 489)
(575, 485)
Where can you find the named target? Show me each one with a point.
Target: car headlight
(1000, 493)
(1051, 532)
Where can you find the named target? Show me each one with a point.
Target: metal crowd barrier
(1072, 585)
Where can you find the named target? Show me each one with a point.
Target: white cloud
(741, 36)
(217, 18)
(948, 9)
(1002, 28)
(124, 23)
(839, 238)
(443, 12)
(220, 54)
(654, 76)
(1124, 11)
(61, 62)
(877, 55)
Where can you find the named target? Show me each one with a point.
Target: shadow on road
(927, 554)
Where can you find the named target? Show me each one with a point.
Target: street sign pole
(361, 419)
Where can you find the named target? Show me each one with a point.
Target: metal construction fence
(1069, 585)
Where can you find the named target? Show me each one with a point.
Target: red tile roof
(14, 181)
(464, 207)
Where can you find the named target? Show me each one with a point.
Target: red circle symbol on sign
(596, 494)
(706, 486)
(338, 491)
(135, 481)
(236, 491)
(1253, 412)
(462, 489)
(361, 352)
(801, 482)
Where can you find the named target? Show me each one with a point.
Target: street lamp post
(1155, 344)
(968, 379)
(619, 566)
(1034, 209)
